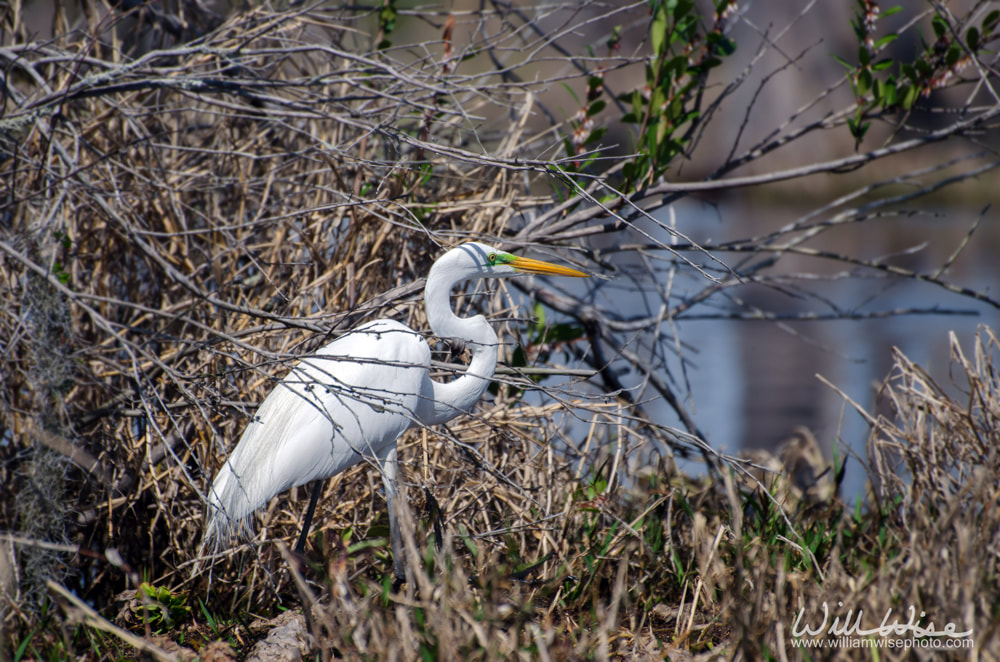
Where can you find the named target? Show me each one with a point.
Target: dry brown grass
(175, 228)
(700, 569)
(926, 537)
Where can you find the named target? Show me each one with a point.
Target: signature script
(851, 625)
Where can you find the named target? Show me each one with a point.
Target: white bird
(351, 400)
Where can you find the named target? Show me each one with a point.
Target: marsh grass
(189, 208)
(669, 566)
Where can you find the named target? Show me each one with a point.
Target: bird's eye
(492, 257)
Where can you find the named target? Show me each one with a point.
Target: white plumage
(354, 397)
(336, 407)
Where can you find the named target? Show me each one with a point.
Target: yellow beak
(527, 265)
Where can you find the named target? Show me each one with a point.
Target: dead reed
(192, 201)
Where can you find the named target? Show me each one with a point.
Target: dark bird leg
(390, 466)
(437, 517)
(300, 546)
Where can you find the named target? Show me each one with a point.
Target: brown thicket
(189, 201)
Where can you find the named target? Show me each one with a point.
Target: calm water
(752, 382)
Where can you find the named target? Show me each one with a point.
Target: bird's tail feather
(230, 509)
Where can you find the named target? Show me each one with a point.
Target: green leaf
(470, 544)
(892, 10)
(568, 146)
(891, 94)
(864, 82)
(953, 55)
(630, 171)
(208, 617)
(638, 103)
(882, 65)
(658, 31)
(615, 37)
(991, 21)
(721, 43)
(972, 38)
(559, 333)
(656, 100)
(650, 147)
(682, 8)
(859, 31)
(387, 18)
(22, 649)
(858, 129)
(710, 63)
(666, 152)
(940, 26)
(910, 96)
(60, 273)
(596, 107)
(594, 136)
(673, 68)
(572, 93)
(538, 312)
(886, 40)
(864, 57)
(686, 25)
(845, 63)
(427, 172)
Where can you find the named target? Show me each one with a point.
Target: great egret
(354, 397)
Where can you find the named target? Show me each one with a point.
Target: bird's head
(467, 262)
(475, 260)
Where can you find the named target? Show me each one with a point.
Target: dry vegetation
(191, 200)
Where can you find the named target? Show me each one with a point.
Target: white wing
(349, 400)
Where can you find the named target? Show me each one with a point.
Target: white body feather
(353, 398)
(349, 401)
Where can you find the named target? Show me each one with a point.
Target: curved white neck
(459, 395)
